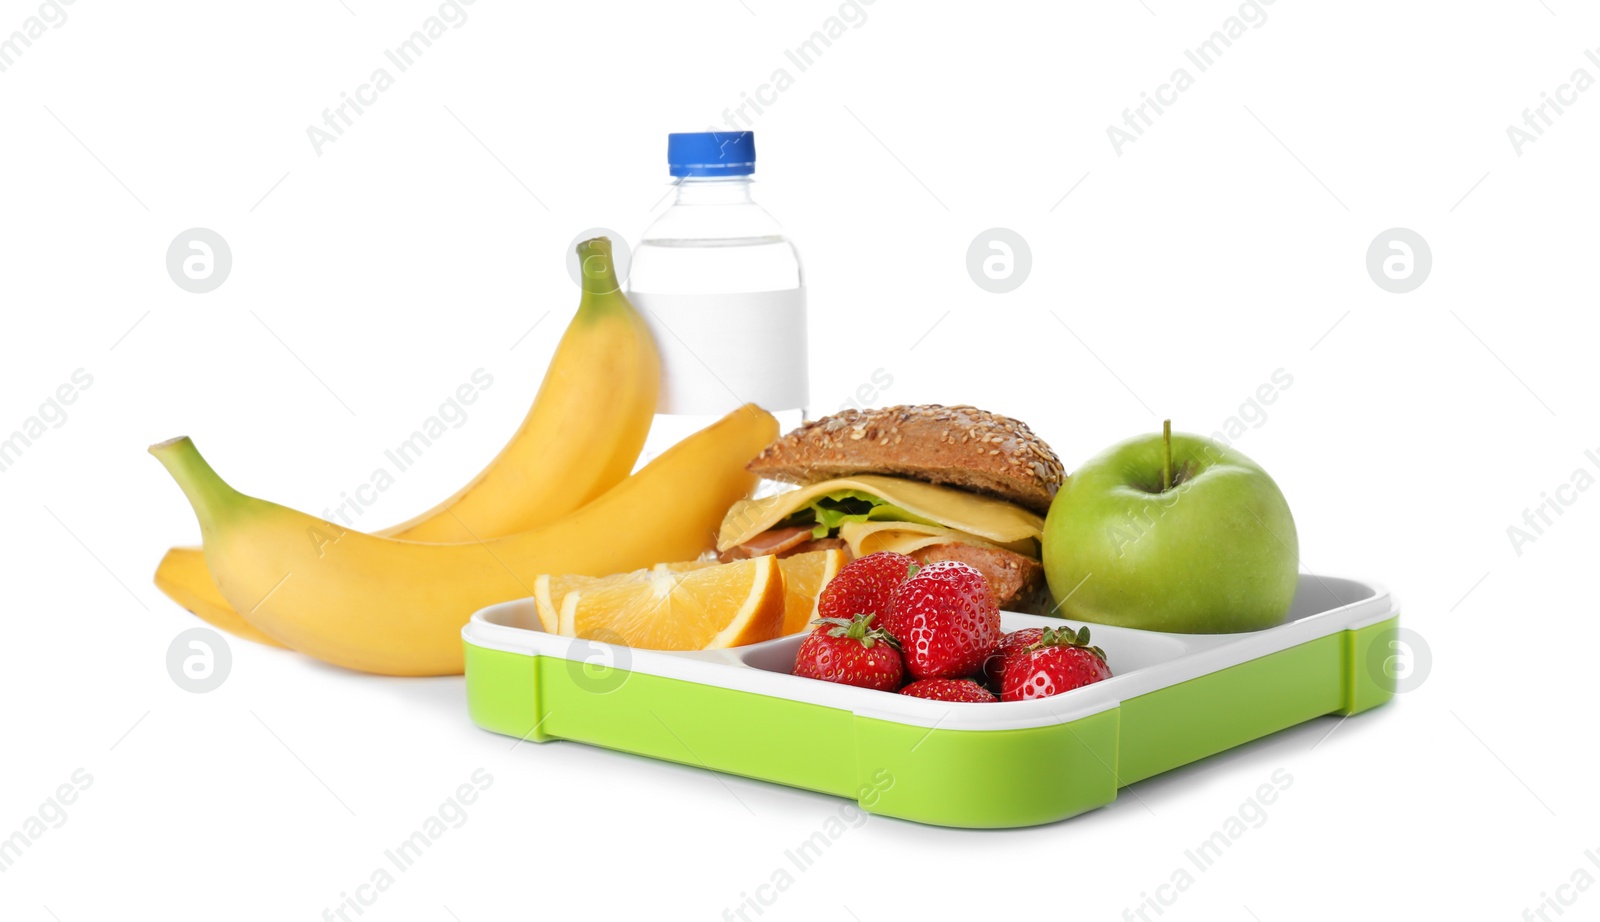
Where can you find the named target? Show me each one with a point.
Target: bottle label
(720, 351)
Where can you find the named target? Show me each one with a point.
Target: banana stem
(596, 267)
(206, 491)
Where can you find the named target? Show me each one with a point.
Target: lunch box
(1173, 699)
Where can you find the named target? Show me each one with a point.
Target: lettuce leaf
(832, 510)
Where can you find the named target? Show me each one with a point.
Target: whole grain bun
(958, 446)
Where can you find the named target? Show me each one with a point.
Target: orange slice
(683, 566)
(804, 575)
(707, 608)
(549, 590)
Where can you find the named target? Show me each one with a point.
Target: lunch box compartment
(1174, 698)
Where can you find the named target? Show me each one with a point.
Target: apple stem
(1166, 456)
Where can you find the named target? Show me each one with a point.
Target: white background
(368, 282)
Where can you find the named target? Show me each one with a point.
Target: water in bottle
(721, 287)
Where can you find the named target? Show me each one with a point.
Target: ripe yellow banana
(581, 438)
(584, 433)
(183, 576)
(396, 607)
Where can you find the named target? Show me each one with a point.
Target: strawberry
(994, 666)
(1059, 661)
(850, 652)
(946, 620)
(863, 586)
(964, 690)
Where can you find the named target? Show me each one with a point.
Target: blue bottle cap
(712, 153)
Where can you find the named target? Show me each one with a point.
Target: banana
(581, 438)
(396, 607)
(184, 578)
(584, 432)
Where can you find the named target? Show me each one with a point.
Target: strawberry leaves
(858, 628)
(1066, 637)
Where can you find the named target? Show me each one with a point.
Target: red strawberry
(946, 620)
(994, 667)
(1059, 661)
(948, 690)
(850, 652)
(864, 585)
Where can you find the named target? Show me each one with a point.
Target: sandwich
(932, 482)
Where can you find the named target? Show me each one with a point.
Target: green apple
(1172, 532)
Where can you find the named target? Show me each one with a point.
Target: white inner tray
(1141, 661)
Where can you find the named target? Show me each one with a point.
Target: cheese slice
(906, 537)
(993, 520)
(900, 537)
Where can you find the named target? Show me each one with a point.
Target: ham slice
(781, 542)
(819, 544)
(773, 541)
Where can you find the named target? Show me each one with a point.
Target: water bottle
(722, 290)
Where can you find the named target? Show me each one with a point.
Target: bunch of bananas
(558, 498)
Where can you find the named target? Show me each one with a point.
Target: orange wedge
(683, 566)
(706, 608)
(549, 591)
(804, 575)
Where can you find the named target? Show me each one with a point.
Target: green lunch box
(1173, 699)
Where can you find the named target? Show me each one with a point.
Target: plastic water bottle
(722, 289)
